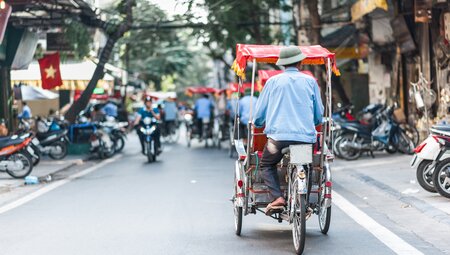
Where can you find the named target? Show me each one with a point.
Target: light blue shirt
(26, 113)
(203, 108)
(170, 110)
(231, 106)
(244, 108)
(290, 105)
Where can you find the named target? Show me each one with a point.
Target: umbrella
(26, 93)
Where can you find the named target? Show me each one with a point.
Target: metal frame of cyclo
(326, 127)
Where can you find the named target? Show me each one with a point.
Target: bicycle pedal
(309, 213)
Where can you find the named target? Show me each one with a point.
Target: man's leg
(271, 156)
(141, 139)
(157, 137)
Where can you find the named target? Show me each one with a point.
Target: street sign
(57, 42)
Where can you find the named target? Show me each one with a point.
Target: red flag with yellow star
(50, 72)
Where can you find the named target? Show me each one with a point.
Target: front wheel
(120, 144)
(22, 166)
(403, 143)
(299, 224)
(58, 150)
(424, 176)
(36, 155)
(150, 152)
(345, 150)
(441, 178)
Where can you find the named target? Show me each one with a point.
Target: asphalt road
(180, 205)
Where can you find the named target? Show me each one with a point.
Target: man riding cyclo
(290, 106)
(170, 115)
(148, 111)
(203, 114)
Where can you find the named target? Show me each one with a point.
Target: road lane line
(391, 240)
(27, 198)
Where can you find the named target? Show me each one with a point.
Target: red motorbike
(15, 159)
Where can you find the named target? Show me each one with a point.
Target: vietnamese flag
(50, 72)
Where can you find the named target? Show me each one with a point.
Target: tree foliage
(233, 21)
(155, 54)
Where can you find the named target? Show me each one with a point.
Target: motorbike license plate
(35, 141)
(95, 143)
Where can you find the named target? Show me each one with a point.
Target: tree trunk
(314, 33)
(119, 31)
(83, 101)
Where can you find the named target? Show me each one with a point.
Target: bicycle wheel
(324, 211)
(299, 224)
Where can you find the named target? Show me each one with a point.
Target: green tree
(232, 22)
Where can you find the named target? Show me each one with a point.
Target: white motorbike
(427, 156)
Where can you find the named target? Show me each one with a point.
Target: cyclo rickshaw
(304, 171)
(192, 128)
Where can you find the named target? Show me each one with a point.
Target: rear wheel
(403, 143)
(299, 222)
(237, 210)
(58, 150)
(120, 143)
(324, 211)
(23, 164)
(441, 178)
(424, 176)
(345, 150)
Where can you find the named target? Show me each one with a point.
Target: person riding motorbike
(144, 112)
(290, 106)
(203, 109)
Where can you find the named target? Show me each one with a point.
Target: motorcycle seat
(41, 136)
(7, 141)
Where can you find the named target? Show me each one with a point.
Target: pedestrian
(26, 111)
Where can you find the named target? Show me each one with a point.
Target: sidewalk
(45, 168)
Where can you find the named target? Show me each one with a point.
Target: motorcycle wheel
(424, 179)
(391, 149)
(120, 144)
(58, 151)
(27, 162)
(403, 143)
(411, 132)
(441, 178)
(150, 152)
(37, 154)
(346, 152)
(335, 147)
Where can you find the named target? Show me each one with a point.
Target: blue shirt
(290, 105)
(110, 109)
(203, 108)
(144, 113)
(244, 108)
(170, 110)
(26, 113)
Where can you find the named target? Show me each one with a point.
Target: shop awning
(69, 72)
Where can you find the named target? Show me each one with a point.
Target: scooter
(14, 157)
(427, 155)
(102, 143)
(441, 175)
(53, 143)
(148, 130)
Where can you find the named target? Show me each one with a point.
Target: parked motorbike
(441, 174)
(427, 155)
(148, 130)
(14, 156)
(102, 143)
(386, 135)
(117, 132)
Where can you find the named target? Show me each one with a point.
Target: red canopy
(315, 55)
(264, 75)
(234, 87)
(202, 90)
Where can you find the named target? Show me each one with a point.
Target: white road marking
(391, 240)
(23, 200)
